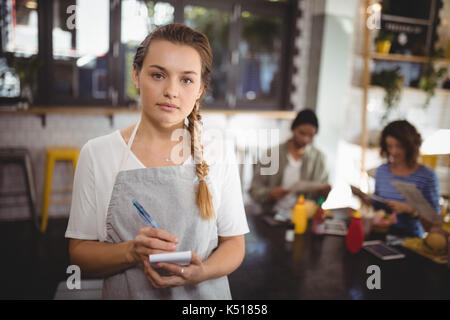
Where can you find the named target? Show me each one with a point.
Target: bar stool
(21, 156)
(55, 154)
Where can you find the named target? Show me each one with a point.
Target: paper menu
(306, 186)
(182, 258)
(415, 198)
(356, 191)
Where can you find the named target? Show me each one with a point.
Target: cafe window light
(31, 5)
(437, 143)
(22, 27)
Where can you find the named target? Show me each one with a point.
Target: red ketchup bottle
(318, 225)
(355, 234)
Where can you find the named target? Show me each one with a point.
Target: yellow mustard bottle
(299, 215)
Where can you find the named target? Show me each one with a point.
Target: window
(19, 48)
(80, 39)
(251, 50)
(139, 18)
(215, 24)
(85, 48)
(250, 41)
(259, 58)
(21, 27)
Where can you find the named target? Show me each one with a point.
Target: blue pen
(145, 216)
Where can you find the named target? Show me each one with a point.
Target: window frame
(287, 11)
(46, 80)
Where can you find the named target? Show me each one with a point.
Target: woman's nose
(170, 90)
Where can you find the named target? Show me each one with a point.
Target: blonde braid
(203, 195)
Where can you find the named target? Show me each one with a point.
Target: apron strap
(130, 142)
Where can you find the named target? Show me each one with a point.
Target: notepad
(182, 258)
(306, 186)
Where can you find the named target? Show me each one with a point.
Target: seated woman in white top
(198, 207)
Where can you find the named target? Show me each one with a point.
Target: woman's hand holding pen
(181, 275)
(150, 241)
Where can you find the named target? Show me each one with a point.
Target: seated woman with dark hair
(400, 143)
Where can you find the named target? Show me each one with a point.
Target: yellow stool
(55, 154)
(429, 160)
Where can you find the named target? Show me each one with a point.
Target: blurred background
(65, 77)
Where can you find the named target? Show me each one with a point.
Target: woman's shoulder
(104, 144)
(426, 172)
(384, 166)
(383, 169)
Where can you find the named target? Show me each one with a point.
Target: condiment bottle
(318, 224)
(299, 215)
(355, 234)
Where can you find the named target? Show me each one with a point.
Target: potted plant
(27, 69)
(429, 81)
(392, 82)
(384, 41)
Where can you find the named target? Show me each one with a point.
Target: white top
(98, 164)
(291, 175)
(291, 172)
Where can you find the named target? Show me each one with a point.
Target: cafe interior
(359, 65)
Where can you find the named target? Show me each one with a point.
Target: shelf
(110, 112)
(402, 19)
(405, 58)
(416, 90)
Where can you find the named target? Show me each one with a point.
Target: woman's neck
(295, 152)
(402, 168)
(153, 132)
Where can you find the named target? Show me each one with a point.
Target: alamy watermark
(374, 280)
(74, 280)
(71, 20)
(237, 146)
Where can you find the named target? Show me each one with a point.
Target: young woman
(400, 143)
(198, 207)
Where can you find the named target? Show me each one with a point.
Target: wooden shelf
(405, 58)
(416, 90)
(109, 112)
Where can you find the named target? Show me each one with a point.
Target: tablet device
(381, 250)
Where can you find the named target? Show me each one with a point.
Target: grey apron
(168, 195)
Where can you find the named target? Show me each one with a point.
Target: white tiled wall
(70, 130)
(60, 130)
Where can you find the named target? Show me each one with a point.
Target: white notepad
(182, 258)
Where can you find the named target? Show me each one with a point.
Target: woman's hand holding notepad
(182, 258)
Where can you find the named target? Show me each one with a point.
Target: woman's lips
(167, 106)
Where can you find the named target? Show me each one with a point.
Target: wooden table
(314, 267)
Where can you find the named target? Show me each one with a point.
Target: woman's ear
(200, 91)
(135, 77)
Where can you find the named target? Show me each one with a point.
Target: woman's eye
(157, 76)
(186, 80)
